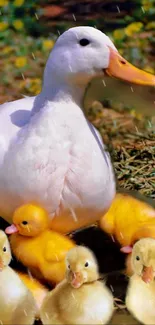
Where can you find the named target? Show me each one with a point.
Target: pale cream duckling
(140, 298)
(17, 305)
(81, 298)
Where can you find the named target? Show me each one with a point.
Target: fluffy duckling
(38, 290)
(140, 298)
(39, 248)
(125, 218)
(17, 305)
(81, 298)
(142, 232)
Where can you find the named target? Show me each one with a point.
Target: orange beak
(76, 279)
(148, 274)
(122, 69)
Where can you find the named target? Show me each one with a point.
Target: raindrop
(30, 275)
(150, 124)
(136, 129)
(46, 315)
(23, 76)
(33, 56)
(56, 257)
(73, 295)
(112, 289)
(113, 239)
(74, 17)
(36, 16)
(132, 89)
(118, 9)
(103, 82)
(121, 235)
(70, 68)
(143, 10)
(73, 214)
(58, 32)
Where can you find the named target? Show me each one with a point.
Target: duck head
(82, 53)
(143, 259)
(5, 251)
(82, 266)
(29, 220)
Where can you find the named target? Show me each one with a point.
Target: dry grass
(131, 142)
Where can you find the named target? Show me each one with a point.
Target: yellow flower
(35, 86)
(150, 25)
(3, 3)
(3, 26)
(149, 69)
(18, 24)
(32, 86)
(133, 113)
(20, 61)
(18, 3)
(133, 28)
(118, 34)
(7, 50)
(146, 5)
(48, 44)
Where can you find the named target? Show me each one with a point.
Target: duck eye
(69, 266)
(24, 223)
(84, 42)
(137, 258)
(4, 249)
(86, 264)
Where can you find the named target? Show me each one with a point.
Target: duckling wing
(56, 251)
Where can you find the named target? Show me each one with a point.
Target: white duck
(49, 153)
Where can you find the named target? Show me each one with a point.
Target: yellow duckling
(128, 219)
(17, 305)
(140, 298)
(81, 298)
(39, 248)
(38, 290)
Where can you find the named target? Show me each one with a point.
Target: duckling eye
(24, 223)
(86, 264)
(84, 42)
(4, 249)
(137, 258)
(69, 267)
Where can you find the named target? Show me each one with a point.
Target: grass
(131, 142)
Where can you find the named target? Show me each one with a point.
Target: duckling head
(143, 259)
(5, 251)
(82, 266)
(29, 220)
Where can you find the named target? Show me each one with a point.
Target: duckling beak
(1, 265)
(11, 229)
(76, 279)
(147, 274)
(122, 69)
(126, 249)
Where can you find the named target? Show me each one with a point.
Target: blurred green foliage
(23, 15)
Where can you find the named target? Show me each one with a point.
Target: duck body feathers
(45, 162)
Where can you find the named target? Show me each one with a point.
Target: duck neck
(64, 92)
